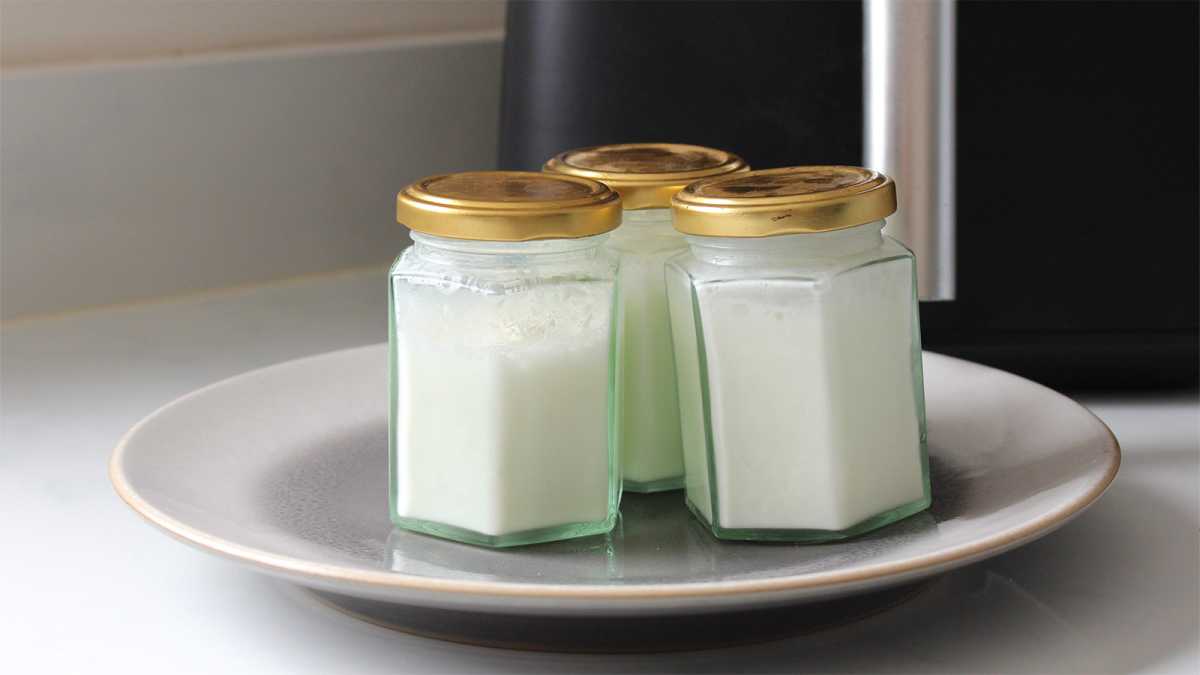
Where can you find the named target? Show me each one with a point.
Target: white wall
(136, 180)
(56, 31)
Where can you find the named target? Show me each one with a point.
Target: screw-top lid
(784, 201)
(646, 175)
(508, 206)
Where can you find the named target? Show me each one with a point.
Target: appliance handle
(908, 127)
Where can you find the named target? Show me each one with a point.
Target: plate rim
(336, 575)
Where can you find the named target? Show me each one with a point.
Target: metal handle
(908, 127)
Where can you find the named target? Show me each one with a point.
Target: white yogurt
(813, 400)
(651, 449)
(502, 402)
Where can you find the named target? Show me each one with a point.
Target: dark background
(1078, 224)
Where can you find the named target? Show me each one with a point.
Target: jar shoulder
(401, 262)
(504, 274)
(768, 266)
(661, 241)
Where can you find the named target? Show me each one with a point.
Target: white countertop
(87, 586)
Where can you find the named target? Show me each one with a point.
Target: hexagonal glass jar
(798, 358)
(651, 449)
(503, 360)
(647, 175)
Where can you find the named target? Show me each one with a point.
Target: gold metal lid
(784, 201)
(508, 206)
(646, 175)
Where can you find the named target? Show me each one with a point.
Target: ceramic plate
(284, 469)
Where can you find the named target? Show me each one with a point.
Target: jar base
(661, 485)
(525, 537)
(811, 536)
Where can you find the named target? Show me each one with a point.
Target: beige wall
(131, 174)
(38, 32)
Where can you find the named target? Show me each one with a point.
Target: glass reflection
(656, 540)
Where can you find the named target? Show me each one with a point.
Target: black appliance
(1075, 215)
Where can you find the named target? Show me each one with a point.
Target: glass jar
(647, 175)
(798, 353)
(503, 359)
